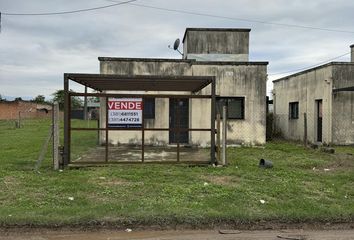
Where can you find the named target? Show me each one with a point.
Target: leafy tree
(59, 98)
(18, 99)
(1, 98)
(39, 99)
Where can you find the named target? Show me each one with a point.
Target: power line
(304, 68)
(130, 2)
(67, 12)
(237, 19)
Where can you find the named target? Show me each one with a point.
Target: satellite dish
(176, 44)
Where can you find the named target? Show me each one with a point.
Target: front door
(179, 118)
(319, 120)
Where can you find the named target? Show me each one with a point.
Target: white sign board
(125, 112)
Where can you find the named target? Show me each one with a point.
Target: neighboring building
(24, 109)
(92, 111)
(326, 94)
(240, 84)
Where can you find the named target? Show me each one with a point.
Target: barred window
(235, 107)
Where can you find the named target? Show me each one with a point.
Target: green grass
(296, 189)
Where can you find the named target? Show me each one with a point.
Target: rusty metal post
(66, 121)
(224, 135)
(106, 147)
(142, 132)
(69, 126)
(212, 122)
(218, 137)
(305, 129)
(55, 111)
(178, 127)
(98, 128)
(85, 104)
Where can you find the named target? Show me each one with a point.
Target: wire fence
(21, 119)
(314, 128)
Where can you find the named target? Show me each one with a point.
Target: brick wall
(11, 109)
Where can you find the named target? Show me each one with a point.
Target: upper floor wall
(216, 44)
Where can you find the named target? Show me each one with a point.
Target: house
(240, 85)
(10, 110)
(317, 104)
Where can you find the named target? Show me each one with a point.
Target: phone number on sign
(124, 120)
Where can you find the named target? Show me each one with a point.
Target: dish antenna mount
(176, 45)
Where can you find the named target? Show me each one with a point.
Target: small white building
(240, 85)
(326, 95)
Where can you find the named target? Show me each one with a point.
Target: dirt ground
(295, 234)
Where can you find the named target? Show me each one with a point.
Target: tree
(59, 98)
(94, 99)
(1, 98)
(39, 99)
(18, 99)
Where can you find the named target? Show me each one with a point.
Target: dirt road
(179, 235)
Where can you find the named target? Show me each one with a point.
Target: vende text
(124, 105)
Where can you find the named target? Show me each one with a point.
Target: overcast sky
(35, 51)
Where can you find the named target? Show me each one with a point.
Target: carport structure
(164, 85)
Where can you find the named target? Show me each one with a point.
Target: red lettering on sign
(124, 105)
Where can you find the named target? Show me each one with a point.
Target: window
(294, 110)
(235, 107)
(149, 108)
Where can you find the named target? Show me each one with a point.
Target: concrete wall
(304, 88)
(162, 67)
(216, 44)
(343, 105)
(233, 80)
(245, 80)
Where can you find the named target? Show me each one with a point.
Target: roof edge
(125, 59)
(191, 61)
(215, 30)
(312, 69)
(229, 63)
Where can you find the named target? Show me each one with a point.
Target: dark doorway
(179, 118)
(319, 120)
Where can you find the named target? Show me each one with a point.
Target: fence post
(19, 120)
(224, 135)
(44, 149)
(218, 137)
(56, 136)
(85, 105)
(305, 129)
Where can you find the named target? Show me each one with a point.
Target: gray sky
(35, 51)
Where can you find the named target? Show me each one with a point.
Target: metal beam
(117, 95)
(145, 129)
(212, 122)
(86, 164)
(343, 89)
(66, 121)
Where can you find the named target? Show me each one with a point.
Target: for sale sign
(125, 112)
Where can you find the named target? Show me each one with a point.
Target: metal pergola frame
(345, 89)
(109, 82)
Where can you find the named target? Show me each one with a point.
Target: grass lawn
(297, 189)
